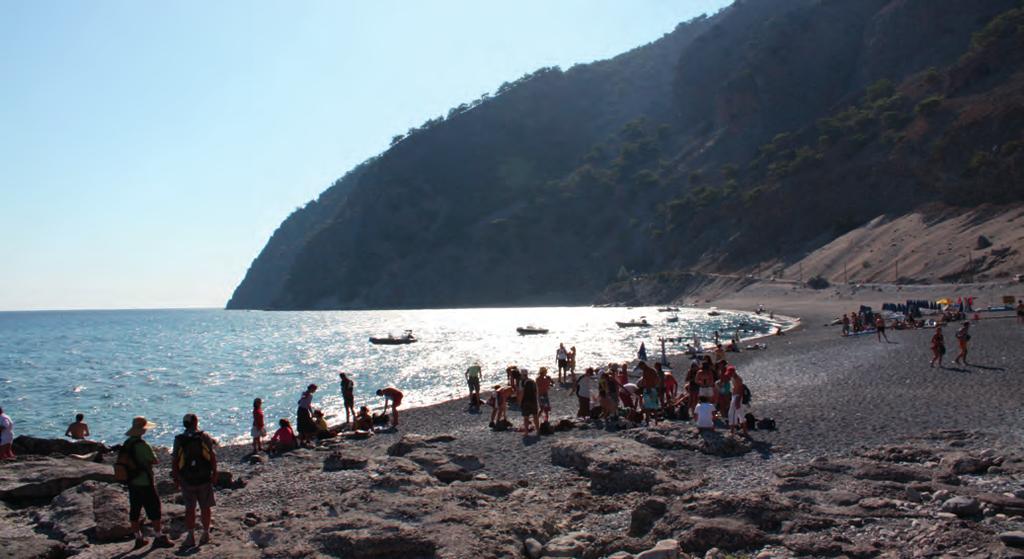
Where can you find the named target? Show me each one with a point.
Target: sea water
(113, 365)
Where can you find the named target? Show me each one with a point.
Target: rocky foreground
(622, 493)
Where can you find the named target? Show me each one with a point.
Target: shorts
(198, 494)
(544, 401)
(706, 391)
(651, 399)
(474, 385)
(737, 412)
(563, 364)
(258, 433)
(143, 497)
(350, 401)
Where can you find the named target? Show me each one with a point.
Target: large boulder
(723, 533)
(41, 478)
(645, 515)
(613, 464)
(110, 514)
(36, 446)
(381, 542)
(572, 544)
(961, 463)
(962, 506)
(339, 460)
(664, 549)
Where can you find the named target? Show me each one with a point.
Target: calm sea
(113, 365)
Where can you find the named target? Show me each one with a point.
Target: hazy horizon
(151, 150)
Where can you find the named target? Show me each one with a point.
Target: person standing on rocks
(142, 485)
(529, 404)
(307, 429)
(584, 386)
(649, 383)
(6, 436)
(194, 469)
(963, 336)
(543, 386)
(938, 346)
(391, 396)
(572, 363)
(562, 359)
(78, 430)
(348, 395)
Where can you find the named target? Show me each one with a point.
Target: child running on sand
(258, 429)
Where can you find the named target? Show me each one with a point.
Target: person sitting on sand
(629, 395)
(583, 387)
(323, 431)
(392, 396)
(78, 430)
(544, 383)
(363, 421)
(704, 414)
(258, 429)
(528, 405)
(284, 438)
(963, 336)
(737, 412)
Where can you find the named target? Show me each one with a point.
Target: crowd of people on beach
(641, 393)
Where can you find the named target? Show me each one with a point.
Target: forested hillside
(759, 133)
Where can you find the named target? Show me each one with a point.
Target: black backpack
(195, 464)
(767, 424)
(746, 395)
(751, 421)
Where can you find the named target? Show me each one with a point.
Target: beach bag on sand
(125, 467)
(766, 424)
(546, 429)
(503, 425)
(751, 421)
(195, 465)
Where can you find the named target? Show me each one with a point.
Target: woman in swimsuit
(938, 346)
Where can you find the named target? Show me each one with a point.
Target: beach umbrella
(943, 301)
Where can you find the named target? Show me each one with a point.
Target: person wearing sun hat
(142, 486)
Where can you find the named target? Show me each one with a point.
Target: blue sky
(149, 149)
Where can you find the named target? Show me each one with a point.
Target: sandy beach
(445, 485)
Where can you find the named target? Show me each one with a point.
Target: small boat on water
(406, 338)
(672, 319)
(668, 309)
(530, 330)
(642, 323)
(714, 311)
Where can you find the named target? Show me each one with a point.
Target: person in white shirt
(6, 436)
(705, 415)
(584, 387)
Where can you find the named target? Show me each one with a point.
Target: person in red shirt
(283, 439)
(258, 429)
(391, 396)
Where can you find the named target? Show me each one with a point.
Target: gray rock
(110, 514)
(492, 488)
(31, 547)
(43, 478)
(645, 515)
(613, 464)
(450, 472)
(36, 446)
(339, 461)
(568, 545)
(962, 506)
(379, 542)
(961, 463)
(533, 548)
(664, 549)
(412, 441)
(1012, 539)
(886, 472)
(723, 533)
(912, 495)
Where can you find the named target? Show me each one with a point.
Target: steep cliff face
(774, 120)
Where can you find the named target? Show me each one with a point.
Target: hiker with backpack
(134, 467)
(194, 469)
